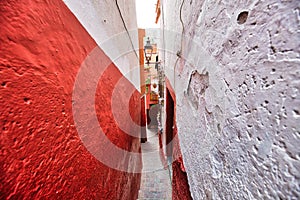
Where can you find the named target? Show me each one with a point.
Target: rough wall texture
(180, 187)
(237, 88)
(42, 156)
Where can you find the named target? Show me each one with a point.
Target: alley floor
(155, 183)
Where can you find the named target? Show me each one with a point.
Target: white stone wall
(103, 22)
(237, 85)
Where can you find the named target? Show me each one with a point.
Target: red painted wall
(180, 185)
(42, 156)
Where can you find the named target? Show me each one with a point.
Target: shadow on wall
(180, 186)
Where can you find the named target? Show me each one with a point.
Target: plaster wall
(43, 147)
(236, 73)
(105, 21)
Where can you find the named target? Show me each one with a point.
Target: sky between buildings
(145, 11)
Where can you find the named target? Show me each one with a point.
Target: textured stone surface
(42, 156)
(180, 187)
(239, 127)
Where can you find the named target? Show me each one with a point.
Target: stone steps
(155, 185)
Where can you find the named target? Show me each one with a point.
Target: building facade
(233, 67)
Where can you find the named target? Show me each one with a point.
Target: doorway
(169, 125)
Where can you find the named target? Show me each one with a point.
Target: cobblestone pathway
(155, 182)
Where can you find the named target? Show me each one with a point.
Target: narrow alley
(156, 179)
(149, 99)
